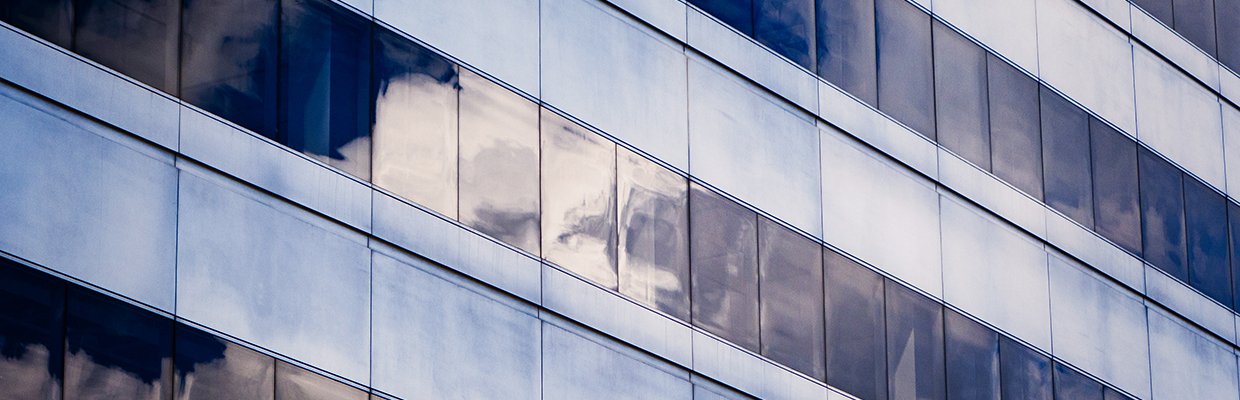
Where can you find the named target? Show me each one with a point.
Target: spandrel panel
(1023, 373)
(296, 383)
(498, 162)
(1162, 214)
(135, 38)
(654, 234)
(786, 26)
(1072, 385)
(1228, 33)
(724, 255)
(847, 53)
(1065, 152)
(208, 368)
(1205, 217)
(1015, 126)
(856, 345)
(972, 359)
(737, 13)
(325, 84)
(31, 332)
(1117, 201)
(791, 299)
(1160, 9)
(229, 60)
(905, 69)
(961, 96)
(579, 200)
(115, 350)
(1194, 19)
(915, 356)
(1233, 231)
(51, 20)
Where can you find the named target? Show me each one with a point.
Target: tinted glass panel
(325, 84)
(1117, 201)
(115, 350)
(498, 162)
(51, 20)
(1111, 394)
(1194, 19)
(905, 69)
(31, 329)
(228, 60)
(856, 344)
(1065, 151)
(915, 357)
(786, 26)
(209, 368)
(294, 383)
(579, 200)
(724, 255)
(137, 38)
(1205, 216)
(1072, 385)
(1233, 232)
(972, 359)
(654, 234)
(790, 267)
(1023, 373)
(1015, 127)
(1228, 33)
(846, 47)
(961, 96)
(737, 13)
(1160, 9)
(1162, 214)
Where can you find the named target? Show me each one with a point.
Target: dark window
(1024, 374)
(1228, 33)
(1065, 155)
(1015, 127)
(295, 383)
(31, 332)
(1162, 214)
(579, 200)
(51, 20)
(1233, 231)
(1205, 216)
(137, 38)
(229, 59)
(786, 26)
(915, 356)
(846, 47)
(961, 96)
(654, 234)
(856, 344)
(737, 13)
(1111, 394)
(1072, 385)
(1117, 199)
(790, 267)
(1160, 9)
(115, 350)
(1194, 19)
(905, 66)
(724, 259)
(972, 359)
(210, 368)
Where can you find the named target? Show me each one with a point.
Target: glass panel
(1233, 232)
(325, 84)
(654, 234)
(1111, 394)
(972, 359)
(847, 55)
(1015, 126)
(737, 13)
(1072, 385)
(1160, 9)
(31, 332)
(790, 289)
(137, 38)
(1024, 374)
(905, 69)
(1205, 216)
(579, 200)
(1065, 152)
(1162, 214)
(1117, 201)
(498, 162)
(856, 345)
(724, 259)
(1228, 33)
(208, 367)
(1194, 19)
(115, 350)
(295, 383)
(786, 26)
(228, 60)
(961, 96)
(915, 356)
(51, 20)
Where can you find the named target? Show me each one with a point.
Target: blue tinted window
(1233, 233)
(846, 47)
(723, 254)
(137, 38)
(972, 359)
(1162, 214)
(228, 63)
(905, 69)
(1072, 385)
(1015, 127)
(786, 26)
(856, 343)
(1205, 216)
(1194, 19)
(51, 20)
(1228, 33)
(31, 332)
(1024, 374)
(114, 350)
(737, 13)
(1160, 9)
(1117, 201)
(961, 96)
(915, 356)
(790, 273)
(1065, 155)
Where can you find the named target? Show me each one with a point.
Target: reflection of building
(528, 199)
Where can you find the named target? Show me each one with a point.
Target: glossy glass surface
(1111, 394)
(1194, 19)
(325, 84)
(51, 20)
(210, 368)
(786, 26)
(1065, 155)
(1233, 233)
(1160, 9)
(31, 333)
(856, 344)
(791, 299)
(498, 162)
(1072, 385)
(296, 383)
(737, 13)
(961, 93)
(1162, 214)
(114, 350)
(1228, 33)
(1117, 200)
(1205, 217)
(1023, 373)
(229, 60)
(724, 255)
(135, 38)
(847, 52)
(1015, 126)
(915, 349)
(972, 359)
(579, 200)
(905, 69)
(654, 234)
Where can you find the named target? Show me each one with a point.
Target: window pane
(31, 332)
(905, 69)
(1065, 151)
(960, 94)
(579, 200)
(914, 345)
(1111, 394)
(115, 350)
(1206, 219)
(228, 60)
(1024, 374)
(724, 259)
(137, 38)
(1072, 385)
(1160, 9)
(846, 47)
(1228, 33)
(1233, 231)
(208, 368)
(1015, 126)
(737, 13)
(856, 345)
(51, 20)
(295, 383)
(325, 84)
(499, 162)
(786, 26)
(1117, 201)
(1194, 19)
(972, 359)
(790, 286)
(654, 234)
(1162, 214)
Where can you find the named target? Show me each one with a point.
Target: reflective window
(115, 350)
(1160, 9)
(791, 286)
(31, 329)
(137, 38)
(1065, 155)
(915, 356)
(228, 60)
(1228, 33)
(1162, 214)
(579, 200)
(724, 255)
(1111, 394)
(1205, 217)
(1023, 373)
(1117, 201)
(737, 13)
(210, 368)
(1072, 385)
(325, 84)
(846, 47)
(905, 69)
(51, 20)
(1015, 127)
(961, 96)
(1233, 233)
(498, 162)
(786, 26)
(654, 234)
(856, 344)
(1194, 19)
(972, 359)
(295, 383)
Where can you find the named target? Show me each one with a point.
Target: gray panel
(606, 69)
(415, 136)
(1230, 85)
(577, 368)
(1007, 26)
(579, 199)
(1177, 296)
(1087, 246)
(1188, 365)
(750, 59)
(1231, 146)
(667, 16)
(1117, 11)
(435, 339)
(367, 7)
(87, 201)
(1179, 118)
(273, 275)
(748, 373)
(992, 193)
(1087, 59)
(759, 151)
(876, 129)
(1174, 47)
